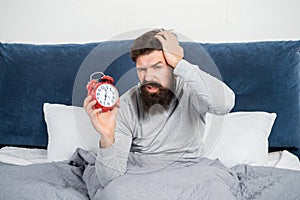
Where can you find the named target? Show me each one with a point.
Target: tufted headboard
(265, 76)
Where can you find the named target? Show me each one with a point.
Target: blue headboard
(265, 76)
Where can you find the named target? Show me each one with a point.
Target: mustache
(151, 83)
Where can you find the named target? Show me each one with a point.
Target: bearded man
(162, 117)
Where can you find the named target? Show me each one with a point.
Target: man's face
(157, 81)
(152, 68)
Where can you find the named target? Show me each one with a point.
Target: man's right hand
(104, 123)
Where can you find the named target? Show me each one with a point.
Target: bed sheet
(283, 159)
(182, 179)
(25, 156)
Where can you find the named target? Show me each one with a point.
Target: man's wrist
(106, 142)
(175, 61)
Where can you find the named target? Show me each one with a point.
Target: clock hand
(105, 96)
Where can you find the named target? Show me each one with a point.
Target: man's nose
(149, 75)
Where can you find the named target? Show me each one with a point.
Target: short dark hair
(145, 44)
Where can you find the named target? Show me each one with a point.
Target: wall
(80, 21)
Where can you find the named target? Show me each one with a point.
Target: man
(163, 116)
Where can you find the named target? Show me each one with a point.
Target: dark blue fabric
(110, 57)
(264, 75)
(29, 76)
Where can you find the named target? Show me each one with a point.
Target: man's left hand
(173, 52)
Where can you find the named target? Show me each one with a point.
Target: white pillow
(68, 127)
(238, 137)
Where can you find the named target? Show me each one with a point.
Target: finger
(173, 33)
(89, 107)
(166, 35)
(94, 119)
(87, 100)
(167, 39)
(161, 39)
(160, 36)
(94, 113)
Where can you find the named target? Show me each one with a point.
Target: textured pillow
(238, 137)
(68, 127)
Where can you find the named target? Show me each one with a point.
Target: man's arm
(115, 141)
(205, 89)
(215, 94)
(111, 162)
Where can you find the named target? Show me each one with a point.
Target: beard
(152, 102)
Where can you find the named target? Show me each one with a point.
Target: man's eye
(158, 66)
(141, 69)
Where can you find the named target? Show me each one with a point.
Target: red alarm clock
(103, 91)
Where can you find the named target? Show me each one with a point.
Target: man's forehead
(150, 59)
(149, 65)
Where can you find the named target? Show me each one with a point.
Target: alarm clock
(103, 91)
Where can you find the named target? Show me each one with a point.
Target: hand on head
(173, 52)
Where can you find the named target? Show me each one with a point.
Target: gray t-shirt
(173, 133)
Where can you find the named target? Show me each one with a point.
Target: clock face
(107, 95)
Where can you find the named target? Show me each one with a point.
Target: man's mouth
(152, 89)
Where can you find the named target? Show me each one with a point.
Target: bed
(48, 145)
